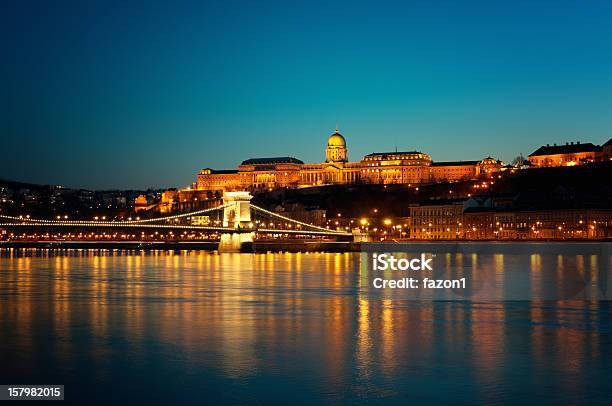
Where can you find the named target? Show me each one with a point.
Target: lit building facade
(606, 151)
(489, 223)
(188, 199)
(460, 219)
(409, 167)
(570, 154)
(439, 220)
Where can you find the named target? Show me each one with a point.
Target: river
(201, 327)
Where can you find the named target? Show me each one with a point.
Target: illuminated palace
(570, 154)
(409, 167)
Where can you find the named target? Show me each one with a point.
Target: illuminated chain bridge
(235, 222)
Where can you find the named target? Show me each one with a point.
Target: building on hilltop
(606, 151)
(410, 167)
(570, 154)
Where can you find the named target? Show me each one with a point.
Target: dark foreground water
(199, 327)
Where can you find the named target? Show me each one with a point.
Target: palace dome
(336, 140)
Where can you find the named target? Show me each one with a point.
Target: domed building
(336, 148)
(407, 167)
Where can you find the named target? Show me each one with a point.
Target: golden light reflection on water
(244, 314)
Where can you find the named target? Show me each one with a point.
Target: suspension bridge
(235, 222)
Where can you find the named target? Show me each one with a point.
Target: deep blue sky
(125, 94)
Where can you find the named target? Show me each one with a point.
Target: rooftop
(223, 171)
(454, 163)
(568, 148)
(275, 160)
(219, 171)
(394, 153)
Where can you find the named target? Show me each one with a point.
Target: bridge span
(236, 222)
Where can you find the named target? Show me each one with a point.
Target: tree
(518, 161)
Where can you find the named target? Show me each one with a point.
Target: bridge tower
(238, 212)
(236, 215)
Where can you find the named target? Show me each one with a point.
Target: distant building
(140, 203)
(408, 167)
(168, 200)
(560, 223)
(438, 220)
(315, 216)
(211, 179)
(606, 151)
(451, 171)
(569, 154)
(503, 218)
(121, 201)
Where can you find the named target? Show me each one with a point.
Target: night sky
(136, 94)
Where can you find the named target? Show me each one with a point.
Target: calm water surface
(198, 327)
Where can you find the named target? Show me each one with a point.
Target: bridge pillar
(236, 215)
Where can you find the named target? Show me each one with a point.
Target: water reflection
(239, 327)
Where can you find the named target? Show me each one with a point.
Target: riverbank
(256, 247)
(108, 245)
(263, 246)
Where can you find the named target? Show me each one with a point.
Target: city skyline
(311, 201)
(238, 161)
(109, 95)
